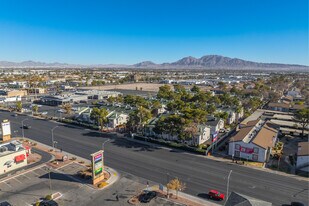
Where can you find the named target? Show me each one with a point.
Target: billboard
(97, 166)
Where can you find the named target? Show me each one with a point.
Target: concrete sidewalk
(185, 196)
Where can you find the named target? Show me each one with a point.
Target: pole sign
(97, 166)
(5, 130)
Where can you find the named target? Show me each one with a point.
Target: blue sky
(130, 31)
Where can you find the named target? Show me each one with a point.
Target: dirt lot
(145, 87)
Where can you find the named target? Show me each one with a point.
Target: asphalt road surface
(159, 165)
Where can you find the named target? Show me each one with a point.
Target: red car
(214, 194)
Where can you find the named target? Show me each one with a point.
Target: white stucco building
(254, 141)
(13, 155)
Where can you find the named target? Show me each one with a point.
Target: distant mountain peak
(189, 62)
(144, 64)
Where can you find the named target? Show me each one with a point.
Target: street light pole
(22, 127)
(52, 132)
(228, 184)
(167, 181)
(104, 143)
(233, 145)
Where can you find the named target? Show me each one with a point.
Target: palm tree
(19, 106)
(35, 109)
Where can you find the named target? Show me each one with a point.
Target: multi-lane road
(155, 164)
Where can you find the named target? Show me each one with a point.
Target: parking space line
(17, 180)
(14, 176)
(43, 170)
(64, 166)
(7, 184)
(26, 176)
(36, 173)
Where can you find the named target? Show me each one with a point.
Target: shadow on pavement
(203, 195)
(65, 177)
(138, 147)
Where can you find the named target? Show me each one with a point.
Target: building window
(255, 150)
(237, 153)
(237, 146)
(255, 157)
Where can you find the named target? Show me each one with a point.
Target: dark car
(48, 203)
(147, 196)
(14, 115)
(297, 204)
(27, 126)
(5, 203)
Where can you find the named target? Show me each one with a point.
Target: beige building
(13, 93)
(36, 90)
(13, 155)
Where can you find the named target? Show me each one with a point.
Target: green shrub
(48, 197)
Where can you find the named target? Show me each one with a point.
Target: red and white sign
(246, 150)
(20, 158)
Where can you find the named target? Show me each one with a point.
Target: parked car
(27, 126)
(147, 196)
(297, 204)
(48, 203)
(5, 203)
(214, 194)
(14, 115)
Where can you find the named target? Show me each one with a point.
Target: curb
(186, 196)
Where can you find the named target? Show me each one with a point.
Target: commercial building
(62, 99)
(13, 93)
(254, 141)
(98, 94)
(36, 90)
(13, 155)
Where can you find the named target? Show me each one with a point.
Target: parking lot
(27, 188)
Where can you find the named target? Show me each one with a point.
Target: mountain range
(205, 62)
